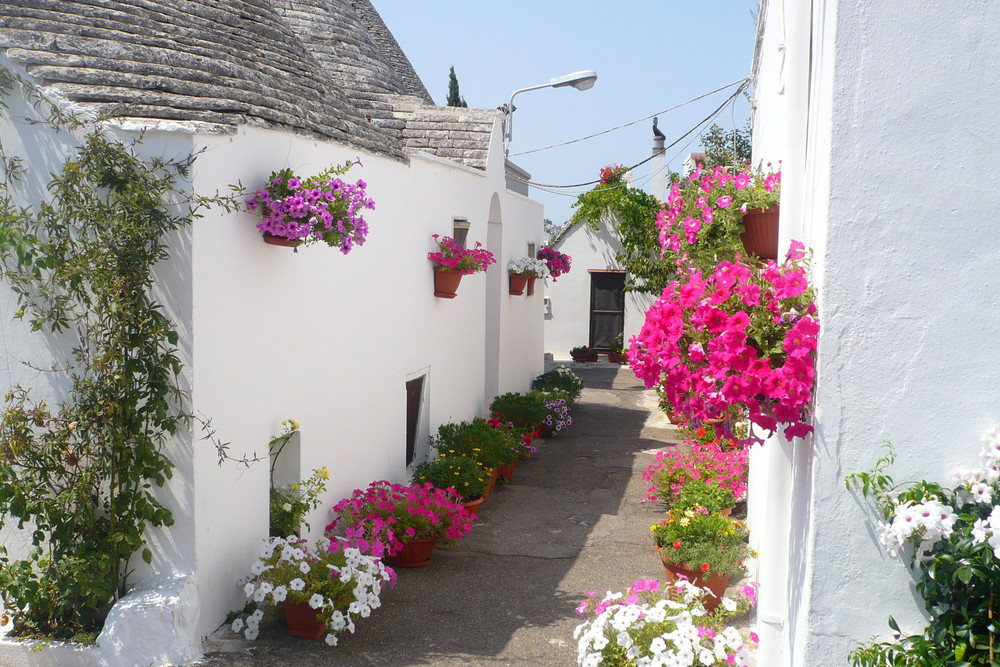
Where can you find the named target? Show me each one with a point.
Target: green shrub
(697, 492)
(525, 411)
(559, 383)
(467, 476)
(476, 439)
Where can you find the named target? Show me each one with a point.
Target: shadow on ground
(569, 522)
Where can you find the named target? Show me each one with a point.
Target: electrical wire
(707, 119)
(613, 129)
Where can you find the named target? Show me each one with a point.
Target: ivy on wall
(81, 475)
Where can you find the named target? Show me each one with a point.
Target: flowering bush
(701, 541)
(697, 493)
(701, 221)
(480, 439)
(737, 338)
(528, 266)
(319, 208)
(558, 416)
(525, 411)
(291, 503)
(726, 468)
(340, 583)
(612, 173)
(521, 437)
(453, 257)
(654, 625)
(953, 539)
(466, 476)
(560, 382)
(557, 262)
(381, 518)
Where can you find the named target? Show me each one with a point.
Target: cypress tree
(454, 98)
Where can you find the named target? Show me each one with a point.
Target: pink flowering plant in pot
(319, 208)
(673, 469)
(663, 624)
(450, 256)
(380, 519)
(701, 221)
(557, 262)
(739, 338)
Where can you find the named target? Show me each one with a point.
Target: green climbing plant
(631, 214)
(81, 475)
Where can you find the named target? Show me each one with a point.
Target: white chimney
(658, 181)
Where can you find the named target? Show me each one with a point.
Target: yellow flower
(295, 485)
(323, 473)
(685, 521)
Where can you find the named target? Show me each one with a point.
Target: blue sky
(649, 55)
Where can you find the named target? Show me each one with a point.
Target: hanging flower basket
(271, 239)
(446, 283)
(517, 284)
(760, 232)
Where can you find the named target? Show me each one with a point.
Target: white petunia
(296, 584)
(331, 639)
(238, 625)
(251, 633)
(248, 589)
(316, 601)
(279, 594)
(256, 616)
(304, 567)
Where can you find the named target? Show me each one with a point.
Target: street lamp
(582, 80)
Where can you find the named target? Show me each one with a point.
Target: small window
(461, 231)
(414, 404)
(531, 250)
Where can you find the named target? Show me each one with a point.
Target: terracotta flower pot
(303, 620)
(584, 356)
(271, 239)
(617, 358)
(506, 471)
(415, 553)
(472, 506)
(446, 283)
(714, 582)
(531, 286)
(760, 232)
(517, 284)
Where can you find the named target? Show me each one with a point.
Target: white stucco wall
(567, 318)
(888, 144)
(330, 340)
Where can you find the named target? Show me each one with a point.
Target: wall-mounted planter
(517, 284)
(271, 239)
(446, 283)
(760, 232)
(531, 286)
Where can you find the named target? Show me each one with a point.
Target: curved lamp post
(582, 80)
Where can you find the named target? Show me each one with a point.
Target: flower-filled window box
(451, 261)
(323, 208)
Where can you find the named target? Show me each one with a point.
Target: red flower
(705, 567)
(677, 544)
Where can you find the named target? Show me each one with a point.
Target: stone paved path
(570, 522)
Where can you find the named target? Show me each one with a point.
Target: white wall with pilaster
(888, 144)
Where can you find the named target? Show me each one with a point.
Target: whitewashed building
(346, 345)
(884, 117)
(589, 305)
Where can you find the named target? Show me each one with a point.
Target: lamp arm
(509, 115)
